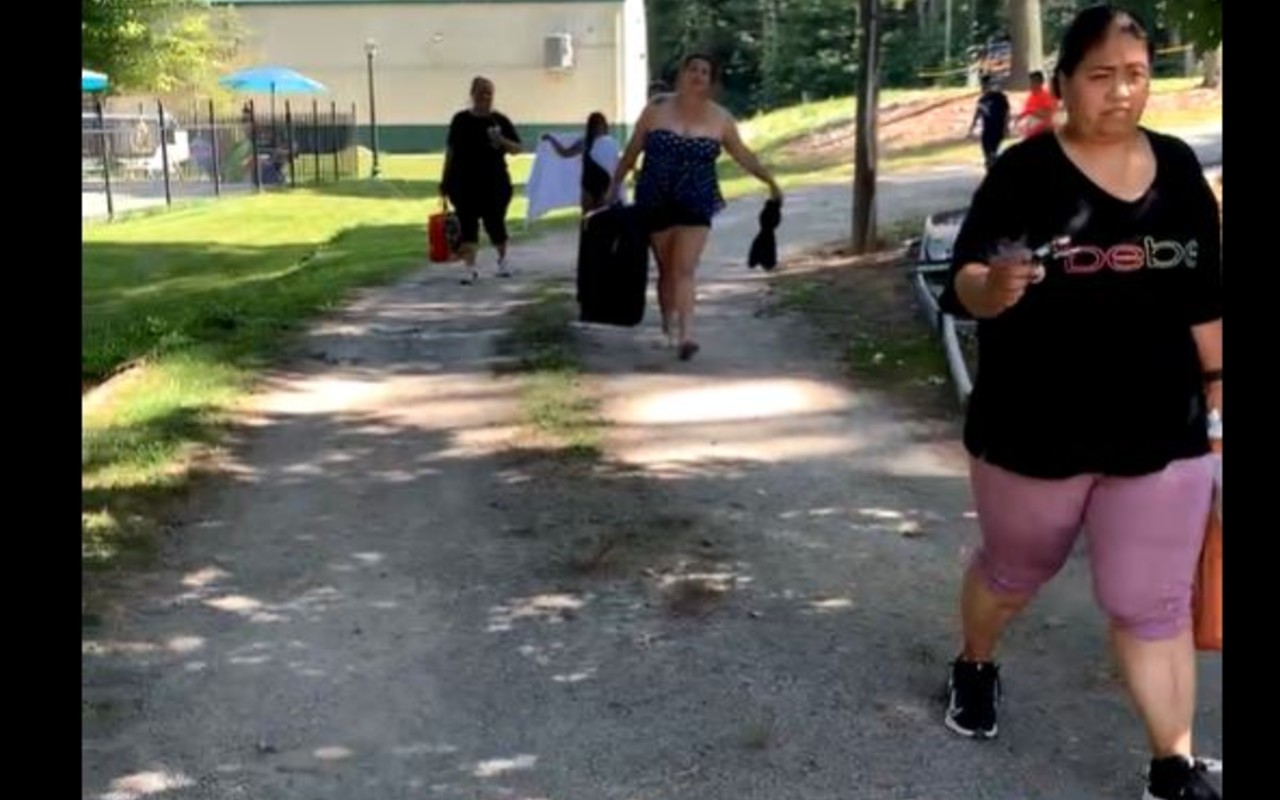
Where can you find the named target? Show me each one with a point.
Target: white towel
(556, 182)
(606, 153)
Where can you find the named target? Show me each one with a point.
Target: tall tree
(770, 56)
(775, 52)
(1200, 22)
(1027, 33)
(867, 129)
(157, 45)
(817, 45)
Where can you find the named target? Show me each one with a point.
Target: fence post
(333, 138)
(253, 148)
(164, 156)
(288, 125)
(353, 154)
(213, 139)
(106, 157)
(315, 135)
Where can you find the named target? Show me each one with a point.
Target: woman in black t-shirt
(1099, 364)
(476, 179)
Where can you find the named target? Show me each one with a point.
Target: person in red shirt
(1037, 112)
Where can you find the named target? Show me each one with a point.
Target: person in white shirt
(599, 152)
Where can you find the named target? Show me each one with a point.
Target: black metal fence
(153, 156)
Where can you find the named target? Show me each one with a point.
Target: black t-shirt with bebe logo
(1095, 369)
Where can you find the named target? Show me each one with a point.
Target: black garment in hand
(764, 248)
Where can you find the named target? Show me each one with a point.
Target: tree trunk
(764, 87)
(1188, 54)
(1213, 69)
(948, 32)
(1028, 46)
(864, 174)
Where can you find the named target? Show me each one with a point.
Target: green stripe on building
(418, 139)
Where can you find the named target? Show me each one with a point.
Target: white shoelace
(1211, 765)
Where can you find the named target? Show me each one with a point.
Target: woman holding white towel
(599, 152)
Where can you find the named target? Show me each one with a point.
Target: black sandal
(688, 349)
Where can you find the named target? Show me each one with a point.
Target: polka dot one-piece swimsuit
(680, 171)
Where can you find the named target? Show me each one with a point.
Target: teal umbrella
(91, 81)
(271, 80)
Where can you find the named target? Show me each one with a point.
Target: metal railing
(153, 156)
(928, 278)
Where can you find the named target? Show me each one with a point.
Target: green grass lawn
(193, 302)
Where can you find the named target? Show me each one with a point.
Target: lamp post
(371, 50)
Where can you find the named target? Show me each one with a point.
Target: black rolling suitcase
(613, 267)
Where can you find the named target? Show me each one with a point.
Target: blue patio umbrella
(91, 81)
(271, 80)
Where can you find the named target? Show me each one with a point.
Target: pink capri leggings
(1144, 537)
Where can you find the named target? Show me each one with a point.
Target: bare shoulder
(658, 110)
(654, 107)
(723, 120)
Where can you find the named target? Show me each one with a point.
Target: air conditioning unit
(557, 51)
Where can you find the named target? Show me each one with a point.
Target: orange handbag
(1206, 603)
(443, 233)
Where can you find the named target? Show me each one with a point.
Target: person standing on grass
(993, 115)
(1101, 369)
(476, 179)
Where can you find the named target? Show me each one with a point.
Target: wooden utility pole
(867, 133)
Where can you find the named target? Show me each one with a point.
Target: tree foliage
(158, 46)
(1200, 21)
(778, 52)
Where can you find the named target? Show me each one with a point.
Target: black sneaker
(1179, 778)
(974, 688)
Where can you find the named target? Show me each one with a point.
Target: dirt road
(748, 594)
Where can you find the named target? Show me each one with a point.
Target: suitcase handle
(587, 216)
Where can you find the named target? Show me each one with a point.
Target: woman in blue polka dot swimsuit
(682, 135)
(678, 185)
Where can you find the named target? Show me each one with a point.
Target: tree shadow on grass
(147, 300)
